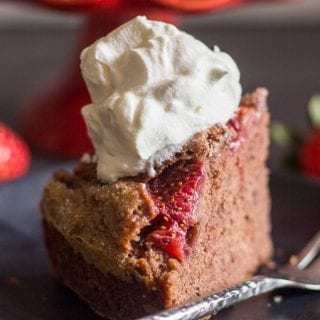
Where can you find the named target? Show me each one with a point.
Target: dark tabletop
(29, 290)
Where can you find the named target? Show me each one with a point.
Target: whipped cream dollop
(152, 88)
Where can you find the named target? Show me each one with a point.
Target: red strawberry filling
(239, 134)
(175, 192)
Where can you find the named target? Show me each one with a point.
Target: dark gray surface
(19, 220)
(28, 290)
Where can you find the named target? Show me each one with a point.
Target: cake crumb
(277, 299)
(293, 260)
(271, 265)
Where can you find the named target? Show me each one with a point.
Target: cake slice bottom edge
(107, 295)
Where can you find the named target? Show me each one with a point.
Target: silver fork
(295, 274)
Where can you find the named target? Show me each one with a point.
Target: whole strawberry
(309, 151)
(14, 155)
(309, 154)
(301, 152)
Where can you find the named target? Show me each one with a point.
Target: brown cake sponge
(94, 231)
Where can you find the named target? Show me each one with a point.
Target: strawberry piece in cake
(175, 193)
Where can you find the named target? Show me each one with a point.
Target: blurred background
(275, 44)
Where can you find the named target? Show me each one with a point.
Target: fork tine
(308, 253)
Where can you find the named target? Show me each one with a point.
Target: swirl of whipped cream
(152, 88)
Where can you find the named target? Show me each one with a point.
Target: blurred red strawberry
(302, 152)
(55, 125)
(309, 151)
(14, 155)
(309, 154)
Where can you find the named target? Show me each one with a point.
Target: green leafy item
(314, 110)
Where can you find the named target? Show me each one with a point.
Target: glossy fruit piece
(309, 155)
(14, 155)
(175, 192)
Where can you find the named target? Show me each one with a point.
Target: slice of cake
(174, 204)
